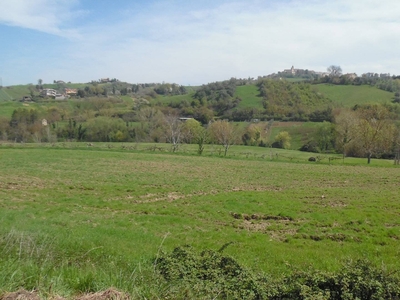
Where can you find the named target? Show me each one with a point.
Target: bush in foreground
(210, 274)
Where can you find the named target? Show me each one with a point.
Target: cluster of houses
(293, 71)
(296, 72)
(52, 93)
(376, 75)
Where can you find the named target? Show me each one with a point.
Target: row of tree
(364, 131)
(367, 131)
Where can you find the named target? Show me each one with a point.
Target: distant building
(292, 71)
(71, 92)
(351, 75)
(185, 119)
(26, 99)
(60, 97)
(370, 75)
(322, 74)
(303, 72)
(52, 93)
(49, 92)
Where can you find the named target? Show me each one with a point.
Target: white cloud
(196, 44)
(47, 16)
(249, 39)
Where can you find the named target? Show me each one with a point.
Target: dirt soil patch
(110, 294)
(21, 295)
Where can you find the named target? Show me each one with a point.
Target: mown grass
(350, 95)
(76, 218)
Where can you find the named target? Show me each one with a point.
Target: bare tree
(151, 121)
(334, 70)
(224, 133)
(173, 130)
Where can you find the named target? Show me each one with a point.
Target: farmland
(76, 218)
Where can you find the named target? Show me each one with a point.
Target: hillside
(4, 96)
(350, 95)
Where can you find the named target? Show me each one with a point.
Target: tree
(103, 129)
(223, 133)
(334, 71)
(375, 130)
(282, 140)
(190, 129)
(345, 133)
(252, 134)
(194, 132)
(324, 136)
(396, 146)
(151, 121)
(201, 138)
(173, 130)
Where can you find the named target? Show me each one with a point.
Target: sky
(193, 42)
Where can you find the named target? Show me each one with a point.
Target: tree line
(363, 131)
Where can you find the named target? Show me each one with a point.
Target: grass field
(300, 132)
(4, 95)
(350, 95)
(249, 96)
(75, 218)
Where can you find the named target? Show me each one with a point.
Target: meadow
(77, 218)
(350, 95)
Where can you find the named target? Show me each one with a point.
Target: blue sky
(193, 42)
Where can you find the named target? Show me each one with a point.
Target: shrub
(282, 140)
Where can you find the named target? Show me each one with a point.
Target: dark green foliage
(219, 95)
(292, 101)
(23, 123)
(356, 280)
(72, 131)
(310, 146)
(210, 274)
(170, 89)
(24, 116)
(244, 114)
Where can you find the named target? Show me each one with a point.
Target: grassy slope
(350, 95)
(249, 96)
(300, 132)
(4, 96)
(173, 99)
(106, 213)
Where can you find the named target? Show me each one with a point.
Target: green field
(16, 92)
(300, 132)
(350, 95)
(4, 96)
(249, 95)
(75, 218)
(175, 99)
